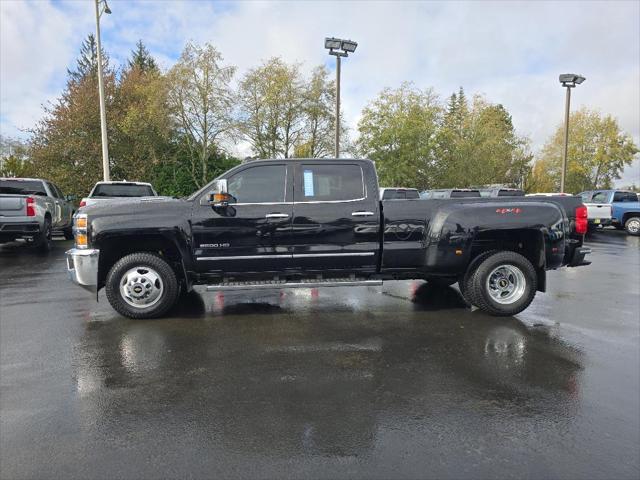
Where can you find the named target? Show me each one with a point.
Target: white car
(108, 191)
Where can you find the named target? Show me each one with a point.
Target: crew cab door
(56, 211)
(336, 217)
(252, 233)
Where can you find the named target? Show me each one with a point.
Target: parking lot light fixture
(569, 81)
(339, 48)
(102, 7)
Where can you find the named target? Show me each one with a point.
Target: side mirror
(219, 197)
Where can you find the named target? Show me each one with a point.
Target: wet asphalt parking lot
(400, 381)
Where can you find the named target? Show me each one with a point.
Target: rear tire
(43, 243)
(632, 226)
(504, 284)
(464, 283)
(142, 285)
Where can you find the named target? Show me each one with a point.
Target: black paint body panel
(396, 239)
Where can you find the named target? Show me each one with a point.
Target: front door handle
(361, 214)
(276, 215)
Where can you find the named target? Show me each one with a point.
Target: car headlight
(81, 230)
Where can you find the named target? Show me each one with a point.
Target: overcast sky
(512, 52)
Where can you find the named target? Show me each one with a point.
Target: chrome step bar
(276, 284)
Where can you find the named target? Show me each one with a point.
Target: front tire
(142, 285)
(504, 284)
(632, 226)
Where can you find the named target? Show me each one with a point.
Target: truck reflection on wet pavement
(380, 382)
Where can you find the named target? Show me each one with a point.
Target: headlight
(81, 230)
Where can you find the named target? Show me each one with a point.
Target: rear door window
(322, 183)
(625, 197)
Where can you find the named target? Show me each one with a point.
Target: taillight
(581, 220)
(83, 203)
(31, 207)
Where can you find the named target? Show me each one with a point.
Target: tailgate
(12, 206)
(596, 210)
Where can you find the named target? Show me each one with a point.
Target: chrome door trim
(295, 255)
(354, 254)
(276, 215)
(362, 214)
(244, 257)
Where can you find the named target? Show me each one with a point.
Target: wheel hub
(141, 287)
(506, 284)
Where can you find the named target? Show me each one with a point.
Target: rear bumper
(578, 257)
(11, 230)
(600, 221)
(82, 267)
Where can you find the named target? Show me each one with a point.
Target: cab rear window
(122, 190)
(465, 194)
(22, 187)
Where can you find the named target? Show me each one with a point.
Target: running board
(275, 284)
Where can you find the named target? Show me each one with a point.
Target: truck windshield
(22, 187)
(122, 190)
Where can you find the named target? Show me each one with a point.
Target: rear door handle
(276, 215)
(361, 214)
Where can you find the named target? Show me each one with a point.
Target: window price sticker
(308, 183)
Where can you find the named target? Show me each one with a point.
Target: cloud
(510, 51)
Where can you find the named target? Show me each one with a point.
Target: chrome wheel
(633, 226)
(506, 284)
(141, 287)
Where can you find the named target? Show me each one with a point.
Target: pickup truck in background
(450, 193)
(278, 224)
(395, 193)
(623, 207)
(108, 191)
(501, 192)
(31, 209)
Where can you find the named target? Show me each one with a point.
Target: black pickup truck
(319, 222)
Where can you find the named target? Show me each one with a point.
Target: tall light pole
(102, 7)
(339, 48)
(568, 80)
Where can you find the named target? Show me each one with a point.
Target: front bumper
(82, 267)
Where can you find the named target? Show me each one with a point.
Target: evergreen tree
(142, 59)
(87, 63)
